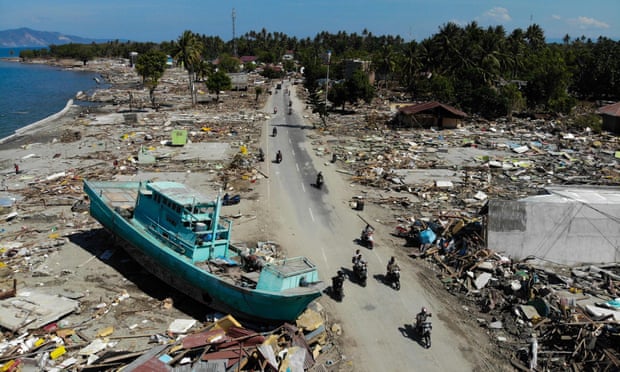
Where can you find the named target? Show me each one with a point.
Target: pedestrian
(16, 168)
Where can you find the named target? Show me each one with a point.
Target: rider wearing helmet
(357, 257)
(392, 265)
(422, 316)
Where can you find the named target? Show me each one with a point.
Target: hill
(26, 37)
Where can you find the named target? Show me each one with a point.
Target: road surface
(320, 224)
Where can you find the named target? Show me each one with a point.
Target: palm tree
(535, 36)
(188, 49)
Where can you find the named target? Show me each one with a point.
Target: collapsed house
(429, 114)
(611, 117)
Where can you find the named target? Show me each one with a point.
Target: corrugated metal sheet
(426, 106)
(612, 110)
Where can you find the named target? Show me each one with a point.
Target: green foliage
(513, 99)
(219, 81)
(271, 73)
(592, 121)
(151, 66)
(229, 63)
(441, 88)
(469, 64)
(547, 81)
(187, 50)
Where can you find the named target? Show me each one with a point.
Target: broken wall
(567, 232)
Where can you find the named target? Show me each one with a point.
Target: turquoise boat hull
(283, 291)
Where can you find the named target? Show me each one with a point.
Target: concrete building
(569, 225)
(352, 65)
(238, 80)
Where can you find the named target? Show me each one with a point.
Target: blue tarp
(427, 236)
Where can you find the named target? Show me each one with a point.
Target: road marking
(311, 216)
(303, 188)
(297, 166)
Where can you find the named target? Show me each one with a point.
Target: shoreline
(34, 126)
(37, 124)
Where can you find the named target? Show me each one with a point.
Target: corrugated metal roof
(612, 110)
(587, 195)
(421, 107)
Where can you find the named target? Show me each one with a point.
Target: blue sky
(158, 20)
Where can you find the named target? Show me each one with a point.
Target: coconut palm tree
(188, 50)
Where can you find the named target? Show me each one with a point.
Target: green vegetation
(151, 66)
(485, 71)
(217, 82)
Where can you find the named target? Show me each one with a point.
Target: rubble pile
(222, 344)
(436, 183)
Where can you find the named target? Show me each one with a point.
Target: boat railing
(171, 238)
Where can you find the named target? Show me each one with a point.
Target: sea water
(31, 92)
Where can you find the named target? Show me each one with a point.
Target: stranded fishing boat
(177, 235)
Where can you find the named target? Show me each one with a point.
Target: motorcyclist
(275, 108)
(421, 317)
(274, 132)
(261, 155)
(319, 179)
(338, 283)
(392, 266)
(357, 258)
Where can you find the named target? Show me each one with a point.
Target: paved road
(321, 225)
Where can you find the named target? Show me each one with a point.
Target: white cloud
(556, 17)
(587, 23)
(498, 14)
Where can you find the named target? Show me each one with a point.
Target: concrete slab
(31, 309)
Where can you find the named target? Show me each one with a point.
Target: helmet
(424, 311)
(340, 272)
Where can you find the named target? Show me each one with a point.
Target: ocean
(29, 93)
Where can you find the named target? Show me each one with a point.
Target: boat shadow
(102, 245)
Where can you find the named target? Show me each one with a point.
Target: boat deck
(291, 266)
(119, 197)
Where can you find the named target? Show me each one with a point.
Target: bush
(592, 121)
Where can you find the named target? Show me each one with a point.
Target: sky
(158, 20)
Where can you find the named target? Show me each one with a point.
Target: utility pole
(329, 55)
(234, 16)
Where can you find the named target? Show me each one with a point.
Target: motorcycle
(392, 278)
(274, 132)
(261, 155)
(290, 110)
(338, 287)
(319, 181)
(275, 109)
(424, 331)
(361, 273)
(367, 239)
(278, 157)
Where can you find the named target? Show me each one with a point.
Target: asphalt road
(320, 224)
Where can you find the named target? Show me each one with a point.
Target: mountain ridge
(27, 37)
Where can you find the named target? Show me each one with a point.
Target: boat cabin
(185, 220)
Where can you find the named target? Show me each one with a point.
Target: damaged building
(429, 114)
(569, 225)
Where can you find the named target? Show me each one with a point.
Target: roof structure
(612, 110)
(428, 106)
(246, 59)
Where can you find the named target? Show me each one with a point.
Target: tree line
(486, 71)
